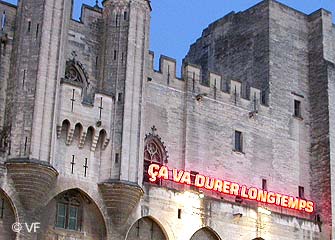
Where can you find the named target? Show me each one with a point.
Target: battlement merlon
(209, 86)
(105, 2)
(90, 14)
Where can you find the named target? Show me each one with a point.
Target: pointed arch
(8, 216)
(102, 138)
(66, 125)
(146, 228)
(75, 73)
(154, 152)
(73, 210)
(205, 233)
(89, 136)
(78, 130)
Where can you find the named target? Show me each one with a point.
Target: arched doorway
(7, 217)
(205, 234)
(72, 215)
(146, 228)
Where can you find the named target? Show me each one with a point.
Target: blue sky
(178, 23)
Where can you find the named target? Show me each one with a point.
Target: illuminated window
(154, 152)
(238, 141)
(297, 108)
(68, 212)
(301, 192)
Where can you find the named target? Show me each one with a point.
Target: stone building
(86, 122)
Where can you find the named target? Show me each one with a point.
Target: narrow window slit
(2, 208)
(37, 29)
(24, 78)
(29, 25)
(25, 145)
(301, 192)
(179, 213)
(238, 141)
(119, 97)
(117, 158)
(264, 185)
(3, 21)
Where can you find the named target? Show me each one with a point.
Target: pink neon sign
(156, 171)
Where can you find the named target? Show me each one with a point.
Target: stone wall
(253, 65)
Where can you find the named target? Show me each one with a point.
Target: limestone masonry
(96, 144)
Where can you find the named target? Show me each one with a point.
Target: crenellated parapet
(212, 86)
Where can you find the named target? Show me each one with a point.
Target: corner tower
(30, 101)
(124, 52)
(125, 47)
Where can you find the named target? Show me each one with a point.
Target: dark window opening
(301, 192)
(125, 16)
(117, 20)
(264, 185)
(263, 97)
(238, 141)
(2, 208)
(37, 29)
(193, 175)
(117, 158)
(68, 213)
(115, 54)
(119, 97)
(179, 213)
(297, 108)
(29, 26)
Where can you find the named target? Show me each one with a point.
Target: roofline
(148, 1)
(8, 4)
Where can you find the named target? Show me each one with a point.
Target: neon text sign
(156, 172)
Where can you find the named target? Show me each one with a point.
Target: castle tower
(30, 100)
(125, 47)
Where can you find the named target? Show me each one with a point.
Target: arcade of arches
(73, 215)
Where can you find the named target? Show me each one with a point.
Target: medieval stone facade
(83, 114)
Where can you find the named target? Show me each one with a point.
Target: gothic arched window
(72, 74)
(75, 72)
(154, 152)
(69, 211)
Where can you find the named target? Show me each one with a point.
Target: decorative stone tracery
(154, 151)
(75, 72)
